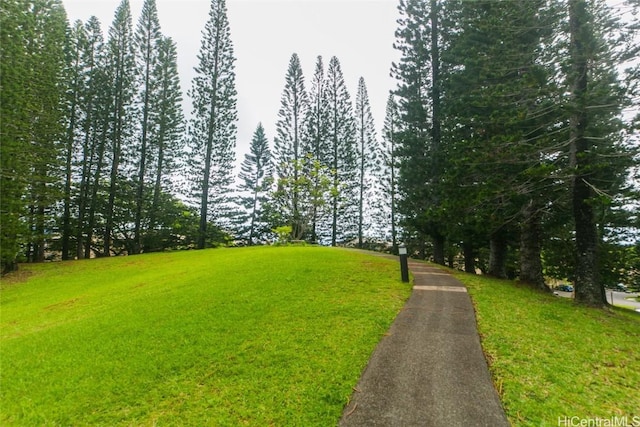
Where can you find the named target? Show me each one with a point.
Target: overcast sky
(265, 33)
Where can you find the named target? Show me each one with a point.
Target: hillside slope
(255, 336)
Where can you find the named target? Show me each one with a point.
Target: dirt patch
(15, 277)
(62, 305)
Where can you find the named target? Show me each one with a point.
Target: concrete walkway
(430, 369)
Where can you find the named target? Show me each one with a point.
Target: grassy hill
(255, 336)
(277, 336)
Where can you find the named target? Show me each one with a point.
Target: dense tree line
(106, 144)
(511, 142)
(326, 161)
(98, 159)
(508, 146)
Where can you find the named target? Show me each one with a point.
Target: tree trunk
(204, 202)
(118, 126)
(66, 217)
(361, 191)
(588, 289)
(498, 255)
(530, 247)
(438, 248)
(469, 257)
(252, 225)
(137, 238)
(40, 230)
(336, 184)
(394, 232)
(157, 187)
(94, 190)
(435, 93)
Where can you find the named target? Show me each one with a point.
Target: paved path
(429, 370)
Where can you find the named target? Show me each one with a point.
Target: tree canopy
(509, 145)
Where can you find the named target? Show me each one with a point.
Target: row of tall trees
(93, 134)
(98, 159)
(32, 49)
(326, 162)
(511, 140)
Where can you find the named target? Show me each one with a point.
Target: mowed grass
(253, 336)
(552, 359)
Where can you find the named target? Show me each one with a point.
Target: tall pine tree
(597, 161)
(288, 144)
(341, 134)
(167, 137)
(96, 101)
(256, 176)
(146, 42)
(367, 152)
(32, 37)
(47, 20)
(212, 133)
(121, 77)
(415, 174)
(75, 83)
(386, 212)
(316, 142)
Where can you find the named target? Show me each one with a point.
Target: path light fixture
(404, 265)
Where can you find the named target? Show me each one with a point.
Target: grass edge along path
(252, 336)
(552, 360)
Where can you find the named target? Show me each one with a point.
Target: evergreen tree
(501, 100)
(597, 160)
(146, 44)
(166, 130)
(342, 156)
(386, 214)
(121, 77)
(75, 88)
(14, 110)
(256, 177)
(367, 152)
(288, 144)
(97, 106)
(32, 36)
(32, 40)
(213, 127)
(418, 203)
(316, 142)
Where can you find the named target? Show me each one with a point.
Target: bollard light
(404, 264)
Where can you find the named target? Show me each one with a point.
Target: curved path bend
(430, 369)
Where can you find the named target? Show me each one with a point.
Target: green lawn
(227, 337)
(276, 336)
(552, 359)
